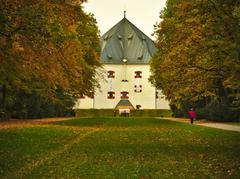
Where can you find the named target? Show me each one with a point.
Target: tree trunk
(3, 110)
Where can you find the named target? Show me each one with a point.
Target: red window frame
(138, 74)
(111, 74)
(135, 86)
(111, 95)
(124, 95)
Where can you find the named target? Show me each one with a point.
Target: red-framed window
(111, 95)
(124, 95)
(137, 89)
(111, 74)
(138, 74)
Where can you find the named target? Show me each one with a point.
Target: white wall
(146, 98)
(86, 103)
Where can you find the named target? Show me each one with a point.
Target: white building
(126, 52)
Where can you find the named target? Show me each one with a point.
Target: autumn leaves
(46, 46)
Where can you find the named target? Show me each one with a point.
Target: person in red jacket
(192, 115)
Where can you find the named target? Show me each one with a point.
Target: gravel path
(217, 125)
(228, 127)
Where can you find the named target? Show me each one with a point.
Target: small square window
(111, 74)
(124, 95)
(138, 74)
(138, 88)
(111, 95)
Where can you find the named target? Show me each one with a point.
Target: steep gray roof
(126, 41)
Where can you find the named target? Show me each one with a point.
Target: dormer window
(138, 74)
(109, 57)
(119, 37)
(124, 95)
(140, 57)
(105, 38)
(130, 37)
(143, 37)
(111, 74)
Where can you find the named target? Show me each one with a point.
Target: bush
(133, 113)
(22, 105)
(93, 112)
(216, 111)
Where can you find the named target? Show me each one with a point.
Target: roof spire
(125, 11)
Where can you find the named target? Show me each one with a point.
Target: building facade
(126, 52)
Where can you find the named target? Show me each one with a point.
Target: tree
(197, 62)
(45, 46)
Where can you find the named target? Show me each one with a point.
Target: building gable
(126, 41)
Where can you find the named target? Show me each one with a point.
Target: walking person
(115, 113)
(192, 115)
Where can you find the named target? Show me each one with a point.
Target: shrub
(133, 113)
(216, 111)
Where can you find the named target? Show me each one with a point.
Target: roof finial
(125, 11)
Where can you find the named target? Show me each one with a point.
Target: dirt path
(217, 125)
(223, 126)
(16, 123)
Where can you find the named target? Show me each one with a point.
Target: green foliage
(133, 113)
(216, 111)
(34, 106)
(198, 59)
(46, 46)
(119, 148)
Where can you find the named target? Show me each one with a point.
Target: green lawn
(119, 148)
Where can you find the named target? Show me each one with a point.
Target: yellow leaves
(72, 28)
(46, 46)
(17, 47)
(3, 40)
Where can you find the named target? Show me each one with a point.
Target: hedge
(133, 113)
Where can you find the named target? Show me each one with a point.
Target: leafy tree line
(49, 52)
(198, 59)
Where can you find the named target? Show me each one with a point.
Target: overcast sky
(142, 13)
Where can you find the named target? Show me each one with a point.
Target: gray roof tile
(126, 41)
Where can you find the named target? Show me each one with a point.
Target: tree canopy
(198, 62)
(47, 46)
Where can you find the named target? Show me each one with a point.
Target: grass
(119, 148)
